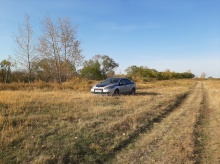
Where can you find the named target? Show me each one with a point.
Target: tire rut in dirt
(150, 125)
(198, 129)
(207, 129)
(170, 140)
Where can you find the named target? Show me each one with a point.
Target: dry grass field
(209, 128)
(174, 121)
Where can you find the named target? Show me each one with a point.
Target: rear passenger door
(129, 85)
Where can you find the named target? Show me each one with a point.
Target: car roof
(118, 78)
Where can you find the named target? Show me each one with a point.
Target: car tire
(133, 91)
(116, 92)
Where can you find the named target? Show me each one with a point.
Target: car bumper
(102, 91)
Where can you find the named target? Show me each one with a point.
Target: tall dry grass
(65, 125)
(75, 84)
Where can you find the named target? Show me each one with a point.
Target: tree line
(56, 56)
(147, 73)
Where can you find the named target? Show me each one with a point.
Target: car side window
(127, 81)
(122, 82)
(115, 81)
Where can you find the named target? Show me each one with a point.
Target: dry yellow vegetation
(209, 128)
(63, 125)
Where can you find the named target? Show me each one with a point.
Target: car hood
(103, 85)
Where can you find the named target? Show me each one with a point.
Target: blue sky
(179, 35)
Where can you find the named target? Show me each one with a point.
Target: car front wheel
(116, 92)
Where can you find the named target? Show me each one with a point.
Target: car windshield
(110, 81)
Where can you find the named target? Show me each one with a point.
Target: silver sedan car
(114, 86)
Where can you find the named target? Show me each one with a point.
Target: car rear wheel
(133, 91)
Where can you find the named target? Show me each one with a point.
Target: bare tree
(59, 45)
(203, 75)
(26, 48)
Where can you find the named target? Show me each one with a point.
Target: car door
(128, 85)
(122, 86)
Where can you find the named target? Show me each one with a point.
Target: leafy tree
(99, 67)
(91, 70)
(145, 72)
(186, 75)
(43, 70)
(167, 74)
(19, 76)
(107, 64)
(132, 70)
(5, 71)
(110, 73)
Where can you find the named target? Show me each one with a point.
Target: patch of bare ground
(208, 128)
(171, 140)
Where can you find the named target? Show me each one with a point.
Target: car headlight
(93, 87)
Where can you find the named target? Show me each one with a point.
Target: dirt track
(208, 130)
(174, 139)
